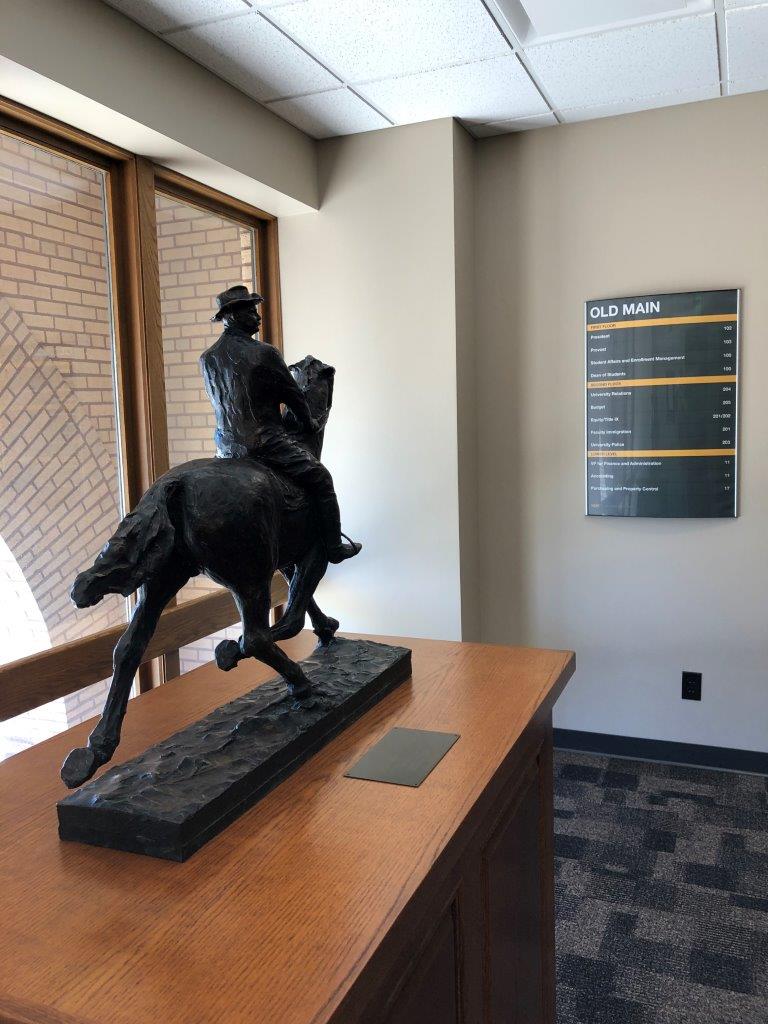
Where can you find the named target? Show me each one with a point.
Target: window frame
(131, 183)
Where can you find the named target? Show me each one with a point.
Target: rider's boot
(343, 550)
(335, 548)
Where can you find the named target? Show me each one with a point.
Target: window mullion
(140, 363)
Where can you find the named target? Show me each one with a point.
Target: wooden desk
(332, 900)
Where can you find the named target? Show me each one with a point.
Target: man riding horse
(247, 381)
(238, 518)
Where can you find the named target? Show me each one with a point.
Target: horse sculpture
(237, 522)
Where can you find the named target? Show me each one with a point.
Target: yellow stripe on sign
(662, 453)
(665, 321)
(652, 382)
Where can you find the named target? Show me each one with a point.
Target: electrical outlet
(691, 685)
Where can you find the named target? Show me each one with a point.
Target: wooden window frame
(195, 193)
(142, 425)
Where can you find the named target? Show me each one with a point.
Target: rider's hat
(237, 295)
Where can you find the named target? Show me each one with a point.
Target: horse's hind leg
(323, 625)
(83, 762)
(229, 653)
(256, 641)
(303, 581)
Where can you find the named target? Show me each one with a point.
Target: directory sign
(661, 404)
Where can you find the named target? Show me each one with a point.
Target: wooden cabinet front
(483, 952)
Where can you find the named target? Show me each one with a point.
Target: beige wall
(369, 284)
(664, 200)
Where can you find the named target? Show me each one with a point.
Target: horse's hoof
(227, 654)
(79, 765)
(302, 696)
(327, 632)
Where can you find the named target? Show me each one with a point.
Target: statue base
(170, 800)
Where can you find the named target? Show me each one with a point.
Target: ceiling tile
(161, 15)
(627, 64)
(515, 124)
(589, 113)
(747, 43)
(366, 39)
(254, 56)
(486, 90)
(324, 114)
(743, 3)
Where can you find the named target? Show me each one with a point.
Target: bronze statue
(265, 503)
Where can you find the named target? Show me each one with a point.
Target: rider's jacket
(246, 381)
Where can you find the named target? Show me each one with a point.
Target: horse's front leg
(82, 762)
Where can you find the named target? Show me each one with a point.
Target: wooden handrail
(29, 682)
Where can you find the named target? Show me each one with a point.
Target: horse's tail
(142, 543)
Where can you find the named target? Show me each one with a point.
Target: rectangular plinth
(180, 793)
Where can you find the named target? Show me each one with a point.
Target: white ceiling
(335, 67)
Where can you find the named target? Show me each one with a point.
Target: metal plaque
(404, 757)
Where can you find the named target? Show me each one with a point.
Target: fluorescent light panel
(538, 21)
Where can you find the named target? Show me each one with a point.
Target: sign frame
(736, 412)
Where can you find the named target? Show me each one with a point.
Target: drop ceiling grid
(480, 92)
(227, 47)
(365, 40)
(334, 67)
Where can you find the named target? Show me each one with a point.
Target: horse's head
(315, 378)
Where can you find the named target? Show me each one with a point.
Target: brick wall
(200, 255)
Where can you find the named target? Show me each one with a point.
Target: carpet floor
(662, 893)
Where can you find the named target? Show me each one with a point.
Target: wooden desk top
(274, 919)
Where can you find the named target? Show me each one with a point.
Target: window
(109, 268)
(59, 456)
(59, 453)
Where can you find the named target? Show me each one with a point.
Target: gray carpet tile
(661, 876)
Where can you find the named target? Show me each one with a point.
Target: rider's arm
(288, 391)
